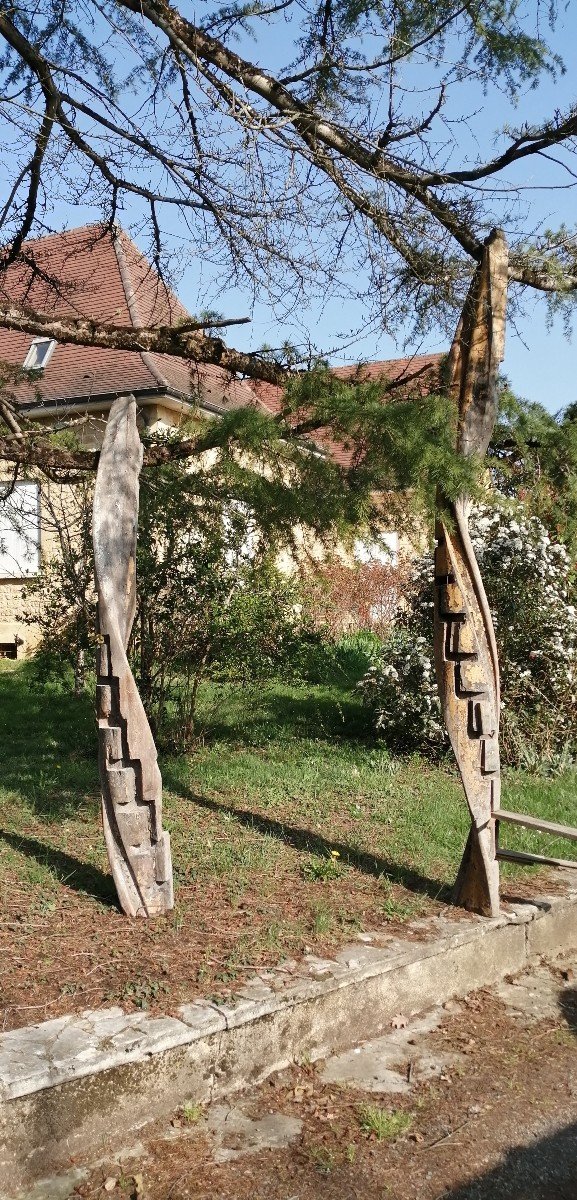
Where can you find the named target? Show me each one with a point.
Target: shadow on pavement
(544, 1170)
(568, 1006)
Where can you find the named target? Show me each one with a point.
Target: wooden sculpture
(465, 649)
(138, 848)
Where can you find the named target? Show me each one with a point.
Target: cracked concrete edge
(56, 1051)
(74, 1086)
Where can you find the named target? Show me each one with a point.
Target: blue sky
(540, 362)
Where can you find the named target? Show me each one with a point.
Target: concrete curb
(77, 1086)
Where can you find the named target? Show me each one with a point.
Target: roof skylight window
(39, 353)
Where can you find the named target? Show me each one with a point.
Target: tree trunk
(79, 671)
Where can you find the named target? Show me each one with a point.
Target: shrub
(321, 659)
(209, 600)
(347, 608)
(233, 624)
(530, 585)
(400, 689)
(343, 598)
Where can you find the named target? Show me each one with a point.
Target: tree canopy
(343, 141)
(533, 456)
(293, 147)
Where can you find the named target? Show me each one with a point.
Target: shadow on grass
(254, 715)
(314, 843)
(48, 745)
(80, 876)
(328, 713)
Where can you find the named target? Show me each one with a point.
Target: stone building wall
(19, 601)
(16, 638)
(57, 512)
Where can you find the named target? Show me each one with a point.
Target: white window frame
(20, 533)
(30, 363)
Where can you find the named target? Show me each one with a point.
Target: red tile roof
(100, 274)
(416, 376)
(96, 273)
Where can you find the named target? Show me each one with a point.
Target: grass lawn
(292, 828)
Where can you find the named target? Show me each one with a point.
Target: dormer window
(39, 354)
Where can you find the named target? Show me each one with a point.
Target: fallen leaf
(110, 1183)
(399, 1022)
(138, 1185)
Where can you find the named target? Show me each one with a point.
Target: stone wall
(12, 626)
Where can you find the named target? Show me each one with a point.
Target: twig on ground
(445, 1138)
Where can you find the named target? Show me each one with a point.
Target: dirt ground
(61, 955)
(476, 1101)
(60, 959)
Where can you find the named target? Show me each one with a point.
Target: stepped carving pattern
(137, 846)
(465, 649)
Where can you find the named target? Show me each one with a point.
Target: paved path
(476, 1100)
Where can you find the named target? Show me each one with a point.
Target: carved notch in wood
(465, 648)
(468, 687)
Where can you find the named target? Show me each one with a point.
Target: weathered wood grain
(138, 848)
(529, 822)
(540, 860)
(466, 658)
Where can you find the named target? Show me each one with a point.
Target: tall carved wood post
(138, 849)
(465, 648)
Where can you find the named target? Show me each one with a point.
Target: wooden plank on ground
(540, 859)
(528, 822)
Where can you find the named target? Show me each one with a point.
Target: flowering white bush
(401, 690)
(530, 585)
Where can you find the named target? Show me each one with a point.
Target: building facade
(98, 273)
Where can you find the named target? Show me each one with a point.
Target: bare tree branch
(276, 182)
(184, 341)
